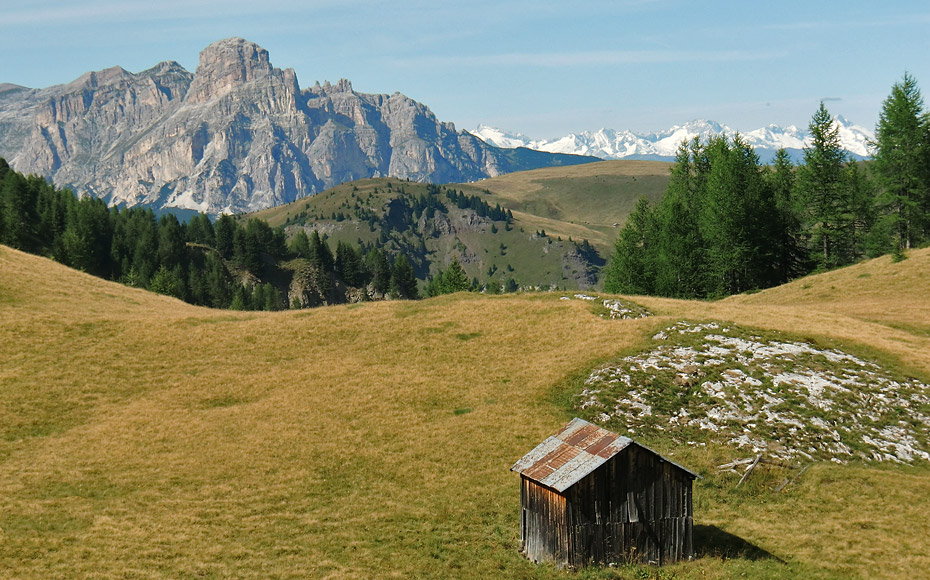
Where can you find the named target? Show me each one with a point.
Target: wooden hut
(591, 497)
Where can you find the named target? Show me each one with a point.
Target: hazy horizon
(542, 69)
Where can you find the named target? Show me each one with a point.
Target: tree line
(727, 224)
(224, 264)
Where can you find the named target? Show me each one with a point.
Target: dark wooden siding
(634, 507)
(543, 530)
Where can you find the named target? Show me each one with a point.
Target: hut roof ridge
(579, 448)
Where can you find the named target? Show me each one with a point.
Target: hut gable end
(590, 496)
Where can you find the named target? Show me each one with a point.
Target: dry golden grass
(141, 437)
(581, 201)
(525, 182)
(880, 290)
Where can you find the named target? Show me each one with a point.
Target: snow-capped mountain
(611, 144)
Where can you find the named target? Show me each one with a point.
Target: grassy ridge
(581, 201)
(143, 437)
(492, 252)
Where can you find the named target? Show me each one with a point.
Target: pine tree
(790, 259)
(823, 197)
(403, 281)
(14, 218)
(224, 231)
(219, 282)
(88, 237)
(679, 253)
(900, 165)
(380, 269)
(454, 279)
(348, 265)
(632, 267)
(172, 250)
(321, 257)
(168, 282)
(300, 244)
(200, 230)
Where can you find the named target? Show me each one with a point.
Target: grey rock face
(237, 135)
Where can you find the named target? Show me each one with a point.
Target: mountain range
(662, 145)
(236, 135)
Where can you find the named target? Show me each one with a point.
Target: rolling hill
(431, 227)
(586, 201)
(553, 211)
(144, 437)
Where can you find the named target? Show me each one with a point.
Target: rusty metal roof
(579, 448)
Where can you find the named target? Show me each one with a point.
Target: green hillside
(553, 211)
(583, 201)
(141, 437)
(425, 224)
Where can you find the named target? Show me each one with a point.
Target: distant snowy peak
(611, 144)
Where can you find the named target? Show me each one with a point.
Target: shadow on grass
(713, 542)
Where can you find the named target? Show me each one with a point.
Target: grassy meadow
(141, 437)
(581, 201)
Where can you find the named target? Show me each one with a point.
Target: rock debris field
(763, 392)
(615, 309)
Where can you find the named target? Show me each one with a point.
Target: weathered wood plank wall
(635, 507)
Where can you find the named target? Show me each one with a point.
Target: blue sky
(540, 67)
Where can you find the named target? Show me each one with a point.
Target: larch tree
(823, 197)
(900, 166)
(632, 267)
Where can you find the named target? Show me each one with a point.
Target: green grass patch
(466, 336)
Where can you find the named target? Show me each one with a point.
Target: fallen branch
(749, 470)
(778, 464)
(734, 463)
(793, 479)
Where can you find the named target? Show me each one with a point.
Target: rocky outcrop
(237, 135)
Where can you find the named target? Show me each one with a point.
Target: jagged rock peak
(167, 66)
(95, 79)
(342, 86)
(226, 64)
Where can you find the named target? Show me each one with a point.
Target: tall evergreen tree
(679, 252)
(901, 165)
(734, 219)
(224, 231)
(321, 257)
(16, 225)
(348, 265)
(172, 248)
(300, 244)
(403, 281)
(823, 196)
(455, 279)
(632, 267)
(377, 264)
(789, 256)
(88, 237)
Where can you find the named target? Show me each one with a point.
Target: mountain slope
(138, 433)
(662, 145)
(588, 201)
(237, 135)
(431, 229)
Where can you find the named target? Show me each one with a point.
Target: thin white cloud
(62, 12)
(911, 19)
(591, 58)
